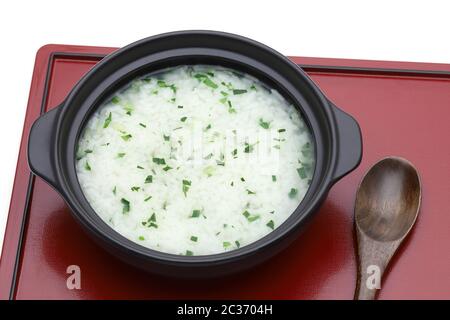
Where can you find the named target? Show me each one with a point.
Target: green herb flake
(87, 166)
(126, 205)
(183, 119)
(234, 153)
(301, 172)
(163, 84)
(306, 150)
(281, 130)
(141, 238)
(107, 121)
(248, 148)
(142, 125)
(149, 179)
(115, 100)
(167, 168)
(250, 191)
(185, 186)
(238, 244)
(126, 137)
(293, 193)
(242, 179)
(195, 213)
(194, 238)
(166, 138)
(139, 167)
(128, 108)
(121, 154)
(159, 161)
(250, 217)
(253, 87)
(230, 107)
(271, 224)
(239, 91)
(264, 124)
(225, 94)
(180, 107)
(274, 178)
(226, 244)
(189, 253)
(114, 190)
(148, 198)
(208, 127)
(210, 83)
(88, 151)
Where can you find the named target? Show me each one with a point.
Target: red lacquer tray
(402, 108)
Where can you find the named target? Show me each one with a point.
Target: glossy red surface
(404, 114)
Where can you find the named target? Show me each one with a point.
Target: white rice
(226, 166)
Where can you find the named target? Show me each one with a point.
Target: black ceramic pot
(53, 139)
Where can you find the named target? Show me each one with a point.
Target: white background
(383, 30)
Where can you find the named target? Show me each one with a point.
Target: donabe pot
(54, 136)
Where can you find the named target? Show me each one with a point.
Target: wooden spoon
(387, 205)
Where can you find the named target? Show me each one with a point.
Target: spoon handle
(373, 258)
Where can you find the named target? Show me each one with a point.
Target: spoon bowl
(386, 208)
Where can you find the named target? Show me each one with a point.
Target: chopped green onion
(274, 178)
(210, 83)
(126, 205)
(194, 238)
(195, 213)
(208, 127)
(87, 166)
(270, 224)
(301, 172)
(238, 244)
(250, 191)
(226, 244)
(166, 138)
(121, 154)
(114, 190)
(167, 168)
(264, 124)
(159, 161)
(281, 130)
(230, 107)
(293, 193)
(148, 198)
(248, 148)
(115, 100)
(189, 253)
(250, 217)
(126, 137)
(141, 238)
(186, 185)
(107, 120)
(239, 91)
(149, 179)
(142, 125)
(139, 167)
(183, 119)
(135, 188)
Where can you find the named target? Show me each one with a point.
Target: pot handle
(40, 146)
(349, 143)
